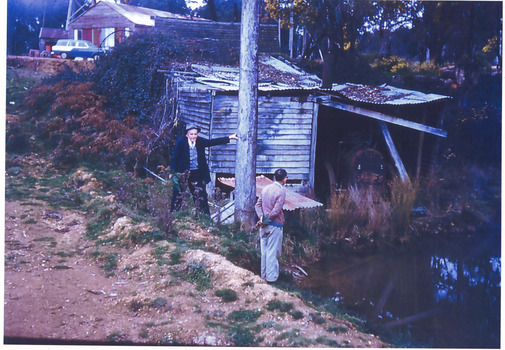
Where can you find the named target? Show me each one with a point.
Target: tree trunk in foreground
(245, 164)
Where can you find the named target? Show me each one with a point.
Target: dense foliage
(120, 114)
(131, 77)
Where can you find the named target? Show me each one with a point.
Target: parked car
(67, 48)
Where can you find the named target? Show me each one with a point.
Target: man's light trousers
(271, 247)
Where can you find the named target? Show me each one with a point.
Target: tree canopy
(26, 17)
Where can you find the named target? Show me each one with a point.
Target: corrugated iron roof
(280, 75)
(293, 200)
(384, 94)
(274, 75)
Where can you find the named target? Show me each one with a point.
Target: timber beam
(329, 102)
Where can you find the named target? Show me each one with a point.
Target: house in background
(106, 24)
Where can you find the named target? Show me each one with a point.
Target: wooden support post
(394, 153)
(313, 145)
(420, 148)
(245, 163)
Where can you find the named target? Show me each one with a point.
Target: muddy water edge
(442, 293)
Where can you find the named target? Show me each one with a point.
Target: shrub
(242, 336)
(283, 306)
(158, 303)
(18, 138)
(296, 314)
(317, 318)
(340, 328)
(136, 305)
(196, 272)
(130, 76)
(40, 99)
(244, 315)
(227, 295)
(391, 64)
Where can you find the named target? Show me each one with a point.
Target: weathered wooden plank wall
(195, 108)
(219, 32)
(284, 135)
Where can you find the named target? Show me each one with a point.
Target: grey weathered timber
(383, 117)
(245, 164)
(284, 135)
(394, 153)
(312, 158)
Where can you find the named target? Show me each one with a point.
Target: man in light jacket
(269, 210)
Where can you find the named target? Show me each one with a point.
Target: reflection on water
(446, 295)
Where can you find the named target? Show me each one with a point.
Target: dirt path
(58, 288)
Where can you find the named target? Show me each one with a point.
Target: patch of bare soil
(57, 287)
(47, 65)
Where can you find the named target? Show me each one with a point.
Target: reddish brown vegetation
(75, 121)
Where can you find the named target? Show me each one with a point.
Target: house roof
(142, 16)
(274, 75)
(53, 33)
(384, 94)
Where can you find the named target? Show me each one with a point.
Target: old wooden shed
(308, 130)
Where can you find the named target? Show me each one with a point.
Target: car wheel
(45, 54)
(64, 55)
(95, 57)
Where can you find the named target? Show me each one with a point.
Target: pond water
(444, 293)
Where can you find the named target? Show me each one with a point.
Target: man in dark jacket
(189, 158)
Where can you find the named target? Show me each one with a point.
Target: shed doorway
(348, 145)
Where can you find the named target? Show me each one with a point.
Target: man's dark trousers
(198, 190)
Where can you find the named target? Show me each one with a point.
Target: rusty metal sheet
(293, 200)
(384, 94)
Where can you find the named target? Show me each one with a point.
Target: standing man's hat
(191, 126)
